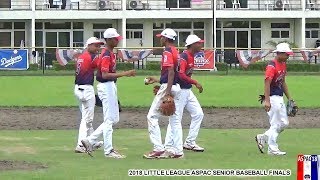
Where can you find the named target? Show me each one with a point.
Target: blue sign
(14, 59)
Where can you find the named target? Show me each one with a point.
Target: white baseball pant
(174, 120)
(189, 101)
(278, 121)
(107, 92)
(86, 98)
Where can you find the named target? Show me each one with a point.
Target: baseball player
(187, 99)
(84, 90)
(169, 86)
(274, 87)
(107, 92)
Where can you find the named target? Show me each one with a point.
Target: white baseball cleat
(79, 149)
(261, 141)
(193, 147)
(276, 152)
(170, 155)
(114, 154)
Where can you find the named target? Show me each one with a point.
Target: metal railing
(169, 5)
(98, 5)
(17, 5)
(260, 5)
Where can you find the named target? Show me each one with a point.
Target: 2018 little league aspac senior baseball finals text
(209, 172)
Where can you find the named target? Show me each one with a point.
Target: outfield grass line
(219, 91)
(225, 149)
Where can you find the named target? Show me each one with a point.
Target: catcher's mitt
(292, 108)
(167, 106)
(156, 89)
(261, 98)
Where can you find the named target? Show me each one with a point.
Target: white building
(222, 23)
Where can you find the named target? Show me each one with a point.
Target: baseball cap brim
(98, 42)
(289, 53)
(119, 38)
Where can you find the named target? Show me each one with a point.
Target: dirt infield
(68, 118)
(19, 165)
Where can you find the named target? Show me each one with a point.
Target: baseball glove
(167, 106)
(261, 98)
(156, 89)
(292, 108)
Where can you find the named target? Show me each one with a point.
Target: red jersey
(169, 59)
(85, 66)
(107, 64)
(185, 68)
(276, 72)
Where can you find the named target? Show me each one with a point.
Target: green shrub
(33, 67)
(221, 66)
(153, 66)
(58, 67)
(122, 66)
(291, 67)
(258, 66)
(303, 67)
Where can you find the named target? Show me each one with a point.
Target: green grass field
(219, 91)
(225, 149)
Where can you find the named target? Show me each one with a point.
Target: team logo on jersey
(280, 79)
(200, 59)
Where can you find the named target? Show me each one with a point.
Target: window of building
(18, 37)
(178, 3)
(280, 30)
(5, 40)
(236, 24)
(179, 25)
(5, 25)
(134, 26)
(198, 25)
(12, 34)
(78, 39)
(255, 38)
(5, 4)
(218, 40)
(183, 29)
(156, 42)
(98, 34)
(19, 25)
(102, 26)
(77, 25)
(39, 38)
(98, 29)
(280, 25)
(134, 31)
(57, 25)
(255, 24)
(158, 25)
(312, 30)
(39, 25)
(243, 3)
